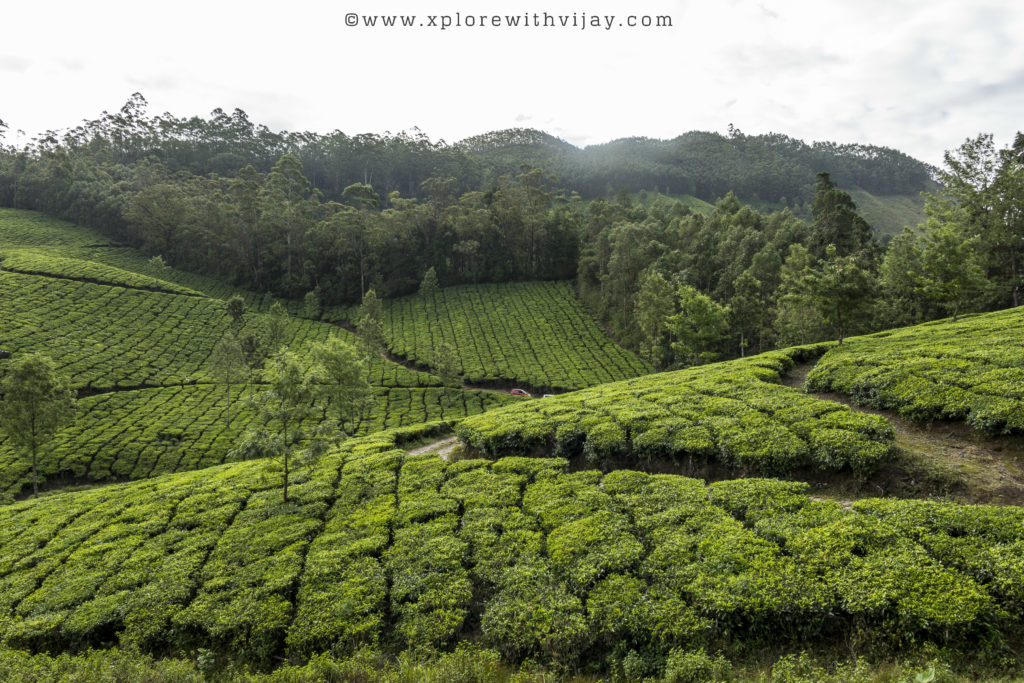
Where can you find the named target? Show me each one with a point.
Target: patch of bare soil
(939, 459)
(442, 447)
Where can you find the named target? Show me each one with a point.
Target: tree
(654, 304)
(749, 313)
(311, 305)
(286, 402)
(836, 222)
(361, 195)
(236, 313)
(950, 270)
(447, 367)
(903, 301)
(797, 318)
(429, 286)
(288, 202)
(340, 379)
(35, 402)
(254, 352)
(842, 289)
(699, 328)
(987, 188)
(228, 365)
(370, 328)
(277, 328)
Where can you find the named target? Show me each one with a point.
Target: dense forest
(334, 216)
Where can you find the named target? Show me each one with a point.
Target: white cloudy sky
(918, 76)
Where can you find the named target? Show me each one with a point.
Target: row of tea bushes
(42, 262)
(106, 337)
(413, 554)
(734, 412)
(971, 369)
(141, 433)
(532, 333)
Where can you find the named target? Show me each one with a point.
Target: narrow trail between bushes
(942, 459)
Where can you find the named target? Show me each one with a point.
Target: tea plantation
(105, 337)
(569, 569)
(141, 433)
(49, 240)
(971, 370)
(534, 334)
(137, 348)
(735, 413)
(541, 550)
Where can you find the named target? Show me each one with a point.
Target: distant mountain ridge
(771, 167)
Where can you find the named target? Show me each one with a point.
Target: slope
(137, 348)
(412, 553)
(529, 334)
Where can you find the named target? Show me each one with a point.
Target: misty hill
(769, 171)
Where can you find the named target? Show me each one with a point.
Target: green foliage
(699, 328)
(377, 548)
(654, 304)
(735, 412)
(110, 337)
(341, 380)
(696, 667)
(45, 263)
(35, 402)
(837, 223)
(142, 359)
(532, 333)
(841, 288)
(947, 370)
(228, 365)
(185, 428)
(429, 285)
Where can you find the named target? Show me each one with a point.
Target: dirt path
(947, 459)
(443, 447)
(496, 387)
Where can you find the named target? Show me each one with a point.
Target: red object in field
(519, 392)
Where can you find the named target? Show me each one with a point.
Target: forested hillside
(328, 218)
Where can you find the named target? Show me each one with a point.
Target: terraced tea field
(142, 433)
(736, 413)
(60, 249)
(532, 334)
(970, 370)
(386, 549)
(409, 552)
(137, 348)
(107, 337)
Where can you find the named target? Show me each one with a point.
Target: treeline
(686, 289)
(274, 232)
(771, 168)
(336, 216)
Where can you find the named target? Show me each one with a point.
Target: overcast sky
(917, 76)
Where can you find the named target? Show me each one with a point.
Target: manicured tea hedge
(106, 337)
(971, 369)
(137, 434)
(50, 240)
(412, 553)
(20, 228)
(534, 333)
(734, 412)
(41, 262)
